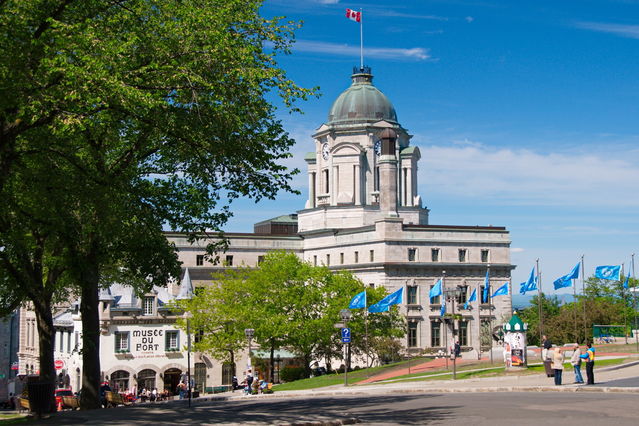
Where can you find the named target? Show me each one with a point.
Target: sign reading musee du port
(148, 340)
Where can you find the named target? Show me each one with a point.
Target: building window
(146, 379)
(434, 300)
(463, 333)
(376, 180)
(200, 377)
(120, 380)
(172, 341)
(199, 260)
(315, 260)
(122, 341)
(485, 256)
(434, 255)
(462, 255)
(435, 333)
(229, 260)
(480, 296)
(148, 305)
(260, 259)
(371, 285)
(326, 186)
(228, 371)
(463, 295)
(372, 255)
(411, 295)
(328, 260)
(62, 341)
(77, 340)
(341, 258)
(412, 254)
(356, 257)
(412, 334)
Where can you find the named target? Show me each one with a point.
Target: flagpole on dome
(361, 39)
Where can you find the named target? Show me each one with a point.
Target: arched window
(200, 377)
(146, 380)
(228, 371)
(120, 380)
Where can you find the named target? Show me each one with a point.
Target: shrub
(290, 374)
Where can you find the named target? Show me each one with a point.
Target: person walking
(558, 365)
(575, 360)
(589, 356)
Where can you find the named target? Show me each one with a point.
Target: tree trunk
(90, 398)
(46, 333)
(272, 364)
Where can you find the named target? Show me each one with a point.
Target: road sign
(338, 325)
(59, 364)
(346, 335)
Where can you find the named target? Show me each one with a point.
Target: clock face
(378, 147)
(325, 151)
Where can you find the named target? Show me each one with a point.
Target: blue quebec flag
(442, 311)
(529, 285)
(566, 280)
(625, 282)
(501, 291)
(392, 299)
(473, 297)
(358, 301)
(608, 272)
(436, 290)
(486, 293)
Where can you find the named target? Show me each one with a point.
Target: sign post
(345, 315)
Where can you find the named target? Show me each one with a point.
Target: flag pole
(361, 39)
(625, 308)
(632, 263)
(583, 290)
(539, 302)
(366, 327)
(574, 300)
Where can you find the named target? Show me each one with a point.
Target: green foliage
(289, 303)
(290, 374)
(605, 302)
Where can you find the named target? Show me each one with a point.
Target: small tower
(515, 346)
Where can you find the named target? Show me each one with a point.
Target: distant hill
(521, 302)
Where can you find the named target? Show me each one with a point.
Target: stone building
(363, 214)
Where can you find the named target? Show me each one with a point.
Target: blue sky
(526, 114)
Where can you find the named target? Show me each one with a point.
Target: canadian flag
(354, 15)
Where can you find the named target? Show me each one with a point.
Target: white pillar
(357, 187)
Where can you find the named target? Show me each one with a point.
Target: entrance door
(172, 379)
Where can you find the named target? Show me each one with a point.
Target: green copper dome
(362, 102)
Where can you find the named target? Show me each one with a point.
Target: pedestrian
(575, 360)
(457, 349)
(558, 365)
(546, 345)
(234, 383)
(589, 356)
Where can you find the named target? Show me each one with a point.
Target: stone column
(388, 174)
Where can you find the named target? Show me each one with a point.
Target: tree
(288, 302)
(153, 114)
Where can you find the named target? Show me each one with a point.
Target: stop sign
(59, 364)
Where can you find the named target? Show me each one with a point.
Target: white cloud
(415, 53)
(522, 177)
(517, 250)
(328, 1)
(469, 19)
(630, 31)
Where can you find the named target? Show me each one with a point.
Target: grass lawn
(12, 419)
(486, 370)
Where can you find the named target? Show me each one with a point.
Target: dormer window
(147, 305)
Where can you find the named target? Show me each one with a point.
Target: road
(498, 408)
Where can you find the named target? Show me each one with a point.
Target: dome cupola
(362, 102)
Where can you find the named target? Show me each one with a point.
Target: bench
(114, 399)
(220, 389)
(23, 404)
(70, 402)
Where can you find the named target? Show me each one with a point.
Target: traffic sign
(346, 335)
(59, 364)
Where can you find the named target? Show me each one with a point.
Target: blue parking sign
(346, 335)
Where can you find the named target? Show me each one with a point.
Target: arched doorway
(120, 380)
(171, 379)
(146, 379)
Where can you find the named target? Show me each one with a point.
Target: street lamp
(345, 314)
(249, 333)
(278, 360)
(452, 295)
(188, 316)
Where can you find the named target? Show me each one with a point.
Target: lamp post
(188, 316)
(345, 314)
(452, 295)
(249, 333)
(278, 360)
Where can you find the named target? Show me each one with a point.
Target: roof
(515, 324)
(362, 102)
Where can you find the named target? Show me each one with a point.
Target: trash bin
(40, 397)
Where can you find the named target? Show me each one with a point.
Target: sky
(526, 115)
